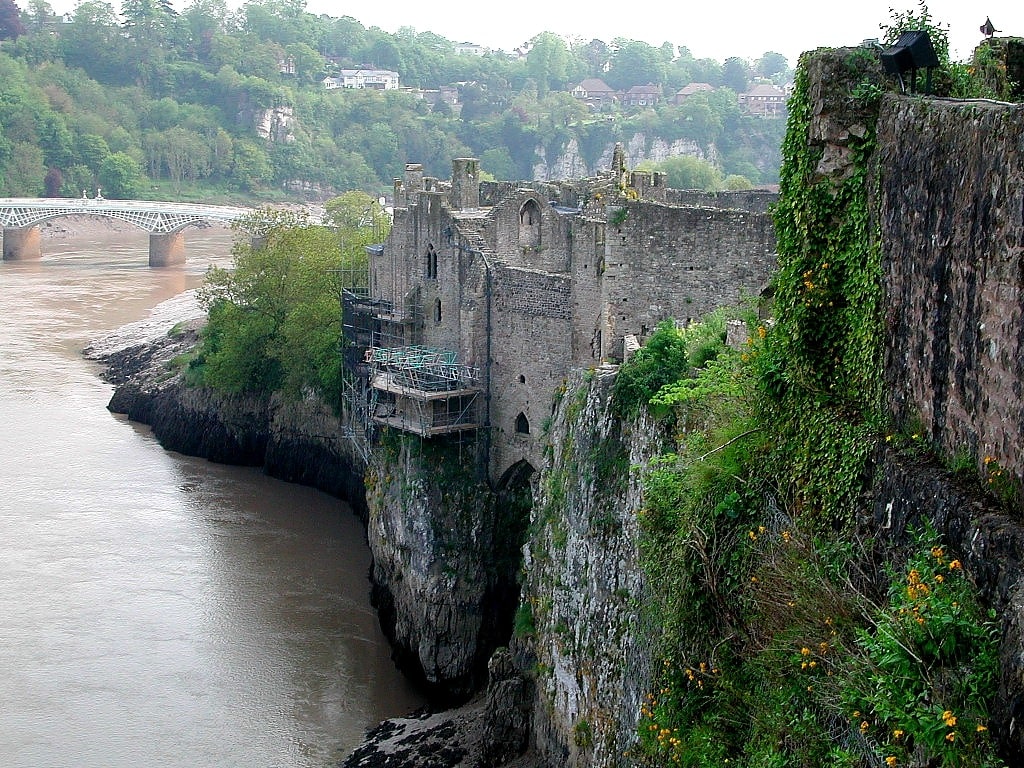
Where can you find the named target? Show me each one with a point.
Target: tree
(10, 21)
(120, 176)
(91, 150)
(736, 74)
(251, 168)
(24, 170)
(40, 13)
(771, 64)
(548, 61)
(93, 41)
(687, 172)
(274, 318)
(636, 63)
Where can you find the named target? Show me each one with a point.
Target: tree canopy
(219, 103)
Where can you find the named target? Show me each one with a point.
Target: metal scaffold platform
(389, 382)
(422, 390)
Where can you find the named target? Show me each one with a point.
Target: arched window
(522, 424)
(437, 311)
(431, 263)
(529, 225)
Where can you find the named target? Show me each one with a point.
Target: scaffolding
(422, 390)
(394, 383)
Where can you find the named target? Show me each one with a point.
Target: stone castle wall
(952, 222)
(680, 262)
(532, 281)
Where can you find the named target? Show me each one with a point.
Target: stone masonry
(526, 282)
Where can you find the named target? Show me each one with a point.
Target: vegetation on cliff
(274, 318)
(782, 642)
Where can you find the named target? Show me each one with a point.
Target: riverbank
(300, 442)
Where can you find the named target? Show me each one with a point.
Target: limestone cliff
(570, 162)
(445, 553)
(582, 624)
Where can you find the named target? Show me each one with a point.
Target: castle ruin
(486, 294)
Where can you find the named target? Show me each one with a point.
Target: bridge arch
(165, 222)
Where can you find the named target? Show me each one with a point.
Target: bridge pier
(22, 243)
(166, 248)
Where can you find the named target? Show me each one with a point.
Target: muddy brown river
(156, 609)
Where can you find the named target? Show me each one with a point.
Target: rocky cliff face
(570, 163)
(445, 553)
(582, 624)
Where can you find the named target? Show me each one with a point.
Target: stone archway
(513, 502)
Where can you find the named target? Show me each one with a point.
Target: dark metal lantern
(912, 51)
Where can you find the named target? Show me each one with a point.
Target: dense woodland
(144, 101)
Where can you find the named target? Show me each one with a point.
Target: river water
(157, 609)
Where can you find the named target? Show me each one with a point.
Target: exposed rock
(445, 555)
(488, 732)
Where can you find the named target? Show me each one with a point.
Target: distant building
(642, 96)
(286, 65)
(764, 100)
(471, 49)
(374, 79)
(595, 93)
(689, 90)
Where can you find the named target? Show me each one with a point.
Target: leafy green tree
(274, 319)
(24, 171)
(120, 176)
(498, 162)
(251, 167)
(40, 13)
(636, 63)
(736, 183)
(55, 140)
(146, 21)
(91, 150)
(10, 21)
(736, 74)
(93, 41)
(687, 172)
(359, 220)
(771, 64)
(77, 179)
(548, 61)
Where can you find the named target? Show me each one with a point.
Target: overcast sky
(716, 28)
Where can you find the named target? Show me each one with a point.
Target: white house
(376, 79)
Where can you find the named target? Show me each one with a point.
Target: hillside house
(595, 93)
(375, 79)
(764, 100)
(689, 90)
(640, 96)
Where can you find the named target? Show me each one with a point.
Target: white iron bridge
(149, 215)
(20, 217)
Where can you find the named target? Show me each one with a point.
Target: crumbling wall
(952, 225)
(682, 262)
